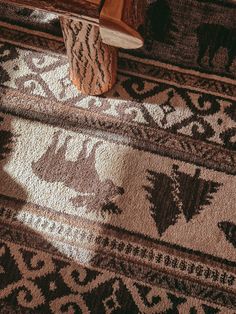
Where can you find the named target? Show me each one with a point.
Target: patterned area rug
(117, 204)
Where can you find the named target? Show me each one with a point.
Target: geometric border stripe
(141, 137)
(7, 205)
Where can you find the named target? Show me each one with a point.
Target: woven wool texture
(123, 203)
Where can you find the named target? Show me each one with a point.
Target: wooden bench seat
(93, 30)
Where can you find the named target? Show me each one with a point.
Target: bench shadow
(34, 265)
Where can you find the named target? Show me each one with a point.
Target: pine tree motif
(180, 193)
(229, 229)
(163, 210)
(194, 192)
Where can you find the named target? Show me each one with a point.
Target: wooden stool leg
(93, 65)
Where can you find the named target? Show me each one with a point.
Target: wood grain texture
(120, 21)
(93, 64)
(70, 8)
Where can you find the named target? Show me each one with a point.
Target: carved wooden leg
(93, 65)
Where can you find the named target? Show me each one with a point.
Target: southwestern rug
(117, 204)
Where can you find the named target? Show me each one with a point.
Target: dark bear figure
(159, 24)
(159, 15)
(214, 36)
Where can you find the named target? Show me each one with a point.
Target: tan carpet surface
(123, 203)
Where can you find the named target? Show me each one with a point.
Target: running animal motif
(80, 175)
